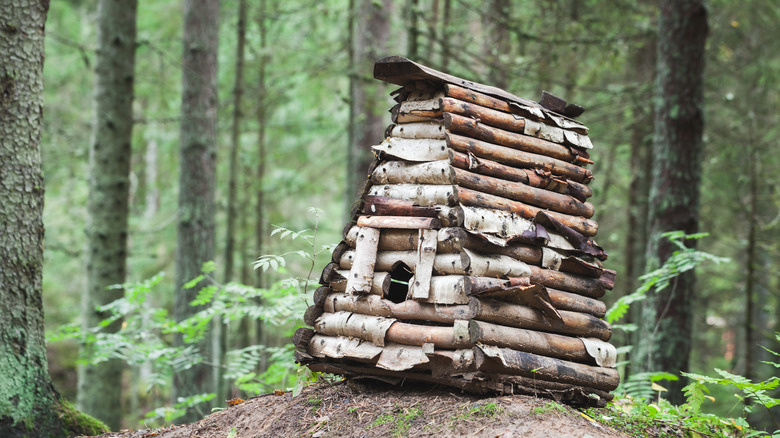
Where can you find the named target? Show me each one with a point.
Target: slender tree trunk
(29, 404)
(446, 47)
(432, 22)
(665, 328)
(368, 105)
(198, 158)
(100, 386)
(262, 106)
(412, 31)
(497, 42)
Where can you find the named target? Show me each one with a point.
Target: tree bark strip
(403, 222)
(361, 275)
(406, 310)
(545, 344)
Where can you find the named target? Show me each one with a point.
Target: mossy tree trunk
(100, 386)
(197, 169)
(29, 404)
(664, 340)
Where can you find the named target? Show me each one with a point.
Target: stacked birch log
(470, 260)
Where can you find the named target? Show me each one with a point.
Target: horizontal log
(492, 117)
(514, 315)
(380, 283)
(416, 130)
(468, 127)
(337, 347)
(354, 325)
(414, 110)
(475, 97)
(441, 337)
(413, 149)
(420, 194)
(475, 198)
(587, 286)
(405, 310)
(545, 344)
(504, 360)
(402, 172)
(403, 222)
(479, 383)
(533, 177)
(523, 192)
(563, 300)
(448, 264)
(384, 206)
(514, 157)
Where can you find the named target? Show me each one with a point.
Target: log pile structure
(470, 259)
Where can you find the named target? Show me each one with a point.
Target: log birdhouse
(470, 260)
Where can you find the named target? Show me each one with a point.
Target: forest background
(307, 63)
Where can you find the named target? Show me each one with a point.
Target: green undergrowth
(400, 420)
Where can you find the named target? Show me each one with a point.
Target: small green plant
(549, 407)
(401, 421)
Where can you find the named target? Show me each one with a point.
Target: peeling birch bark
(341, 346)
(361, 275)
(413, 149)
(545, 344)
(397, 357)
(380, 283)
(354, 325)
(403, 222)
(402, 172)
(418, 130)
(420, 283)
(406, 310)
(426, 195)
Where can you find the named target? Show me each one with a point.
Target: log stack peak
(470, 259)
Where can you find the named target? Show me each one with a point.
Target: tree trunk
(497, 43)
(368, 104)
(262, 105)
(29, 404)
(100, 386)
(197, 155)
(664, 337)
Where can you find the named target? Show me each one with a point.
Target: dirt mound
(370, 409)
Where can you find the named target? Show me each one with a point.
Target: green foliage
(548, 407)
(682, 260)
(400, 420)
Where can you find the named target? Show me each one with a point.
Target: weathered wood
(449, 264)
(440, 337)
(513, 315)
(545, 344)
(321, 294)
(518, 158)
(420, 283)
(401, 172)
(361, 275)
(337, 347)
(472, 128)
(384, 206)
(405, 310)
(523, 192)
(403, 222)
(475, 198)
(416, 130)
(476, 97)
(504, 360)
(302, 337)
(533, 177)
(563, 300)
(416, 110)
(380, 284)
(498, 119)
(354, 325)
(413, 149)
(311, 315)
(587, 286)
(421, 194)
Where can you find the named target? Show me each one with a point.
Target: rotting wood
(405, 310)
(526, 294)
(504, 360)
(475, 198)
(530, 341)
(416, 110)
(361, 275)
(403, 222)
(321, 294)
(384, 206)
(421, 194)
(523, 192)
(401, 172)
(458, 124)
(413, 149)
(514, 315)
(518, 158)
(420, 283)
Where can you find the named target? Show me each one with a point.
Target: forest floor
(372, 409)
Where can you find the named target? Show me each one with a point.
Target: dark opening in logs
(399, 282)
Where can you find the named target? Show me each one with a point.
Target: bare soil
(366, 408)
